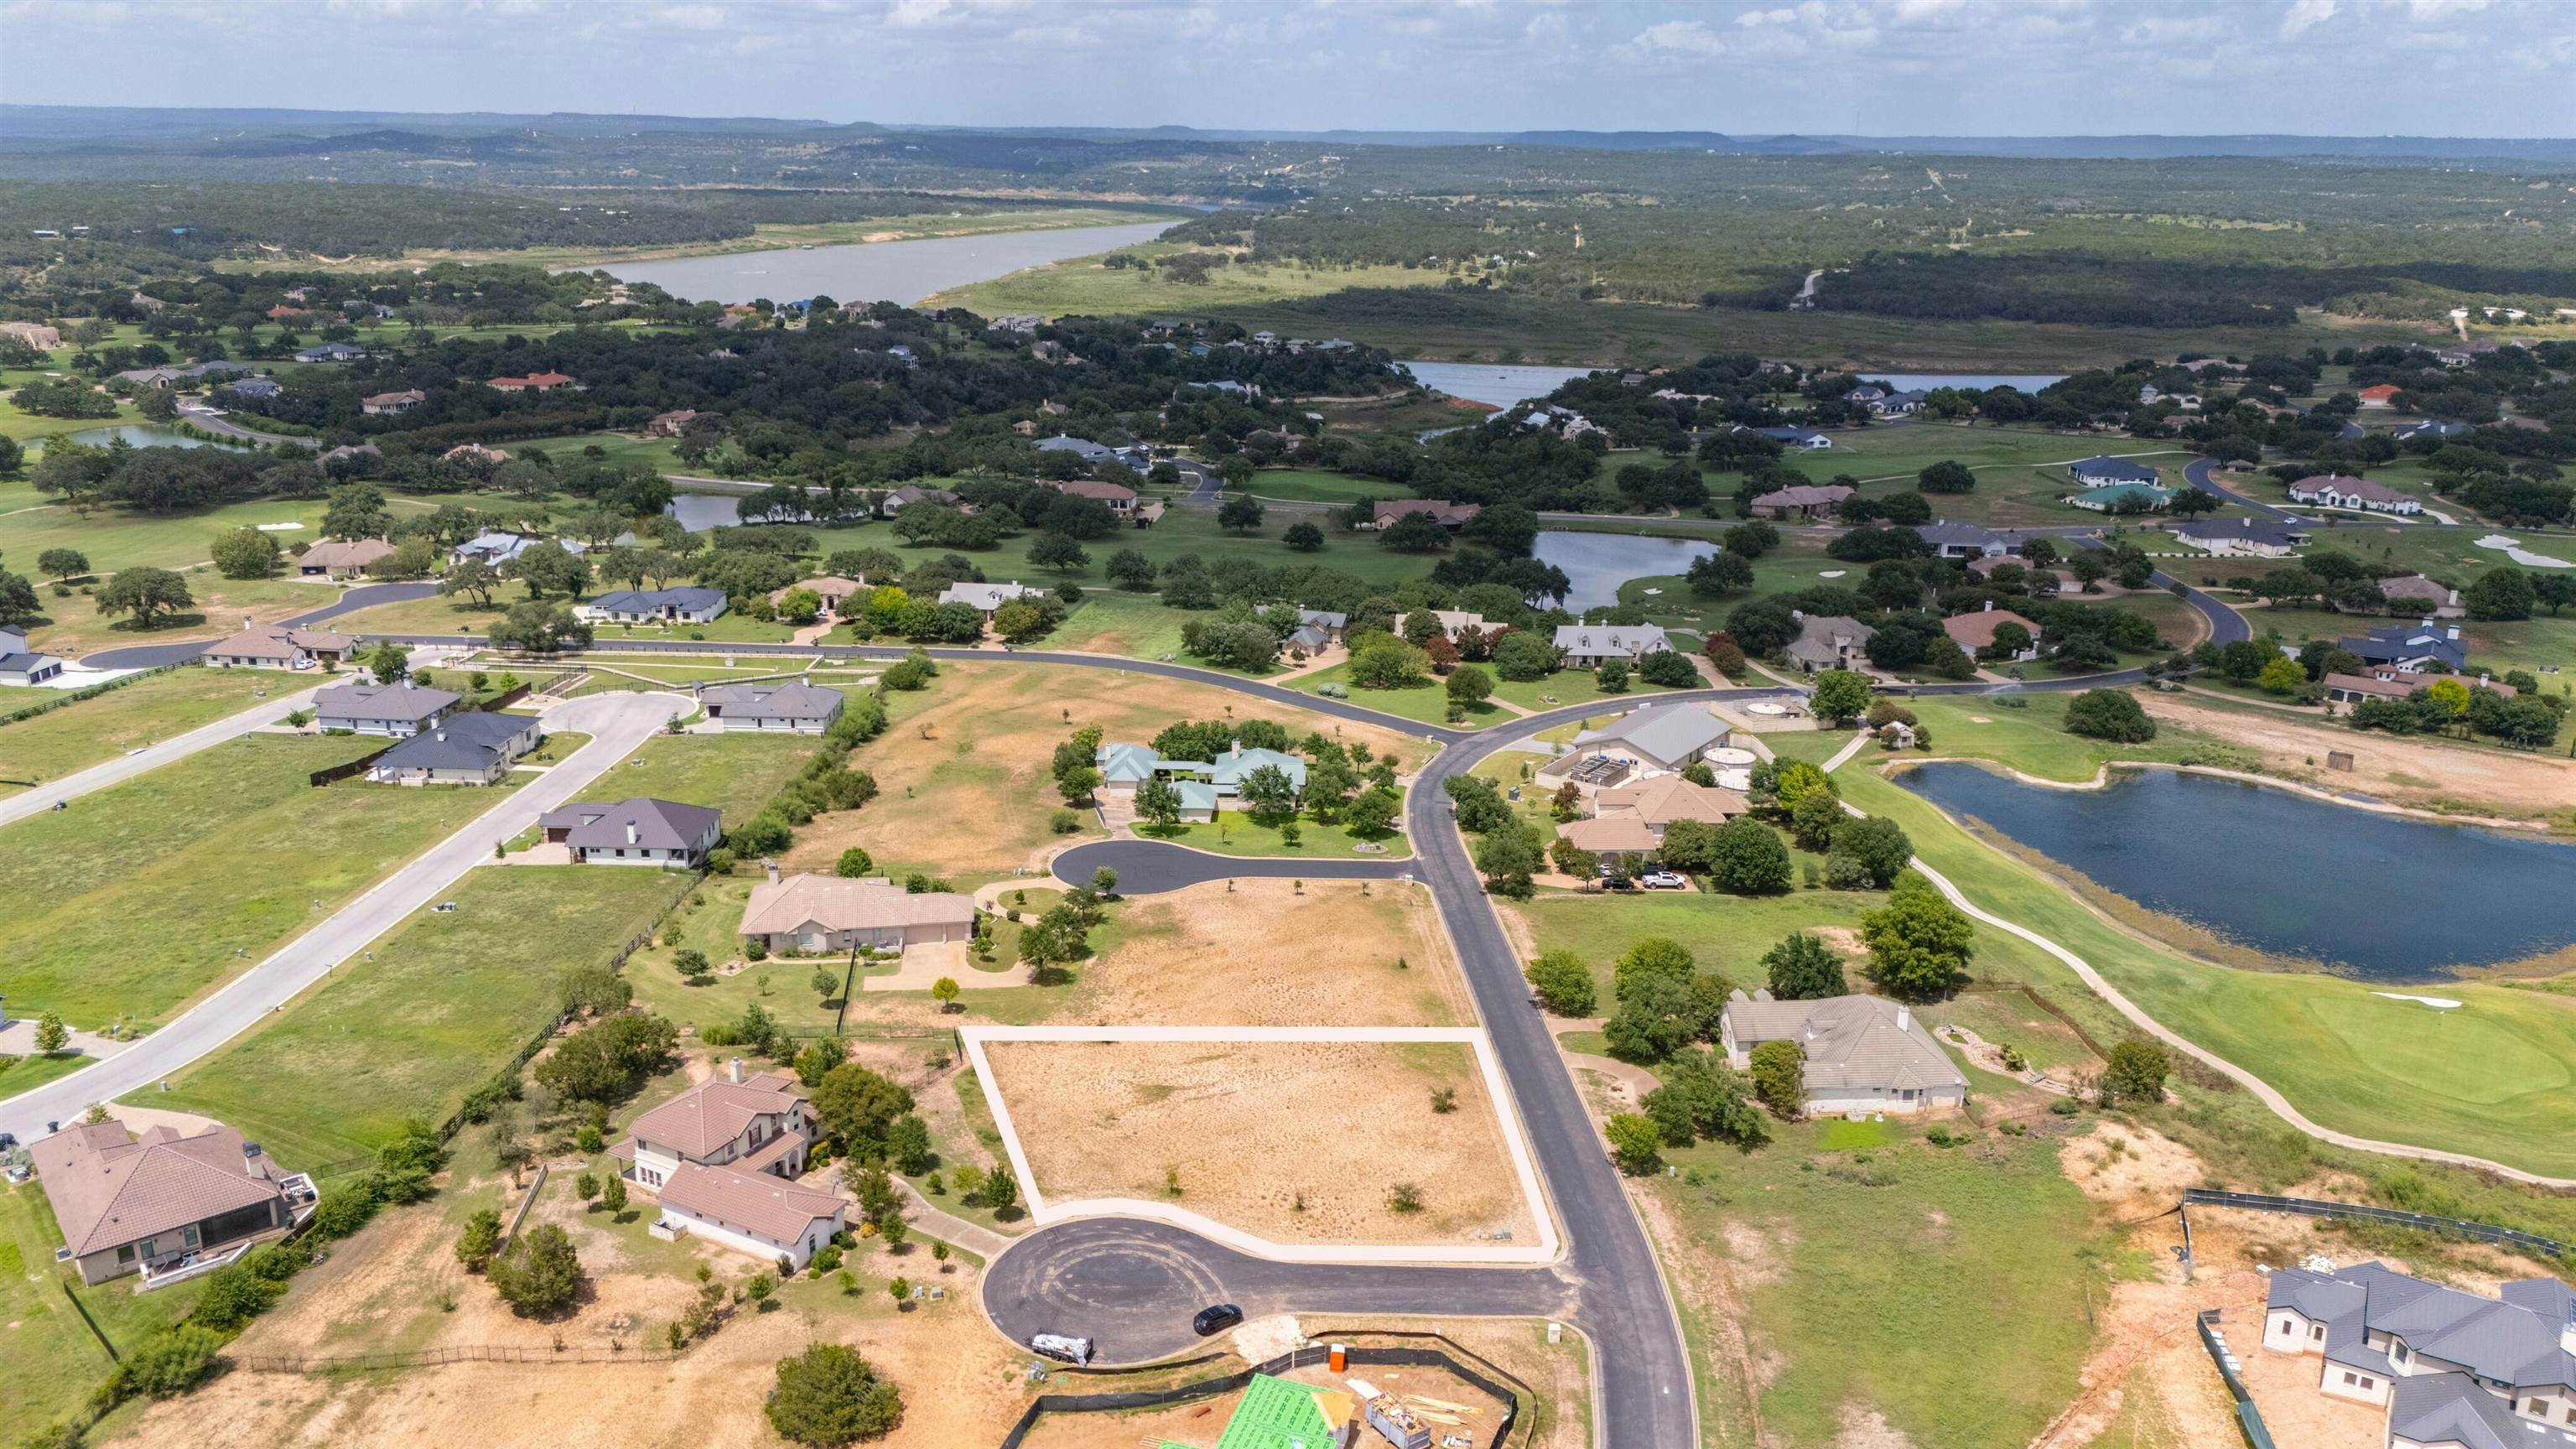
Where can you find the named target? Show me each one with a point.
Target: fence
(67, 697)
(2046, 1005)
(2248, 1418)
(525, 1203)
(2312, 1207)
(358, 766)
(570, 1355)
(507, 698)
(1306, 1357)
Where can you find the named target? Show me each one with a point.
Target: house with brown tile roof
(1975, 632)
(1863, 1053)
(1451, 516)
(339, 559)
(723, 1159)
(165, 1205)
(1803, 500)
(377, 404)
(832, 589)
(808, 912)
(276, 646)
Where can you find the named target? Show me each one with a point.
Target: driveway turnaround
(1150, 867)
(151, 757)
(617, 723)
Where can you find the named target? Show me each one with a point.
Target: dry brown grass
(2403, 771)
(1267, 954)
(964, 770)
(1255, 1129)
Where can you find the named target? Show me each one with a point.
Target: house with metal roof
(2454, 1368)
(475, 747)
(1586, 645)
(2102, 471)
(654, 606)
(1863, 1053)
(641, 831)
(794, 706)
(2410, 646)
(1662, 737)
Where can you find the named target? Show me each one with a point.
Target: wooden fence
(358, 766)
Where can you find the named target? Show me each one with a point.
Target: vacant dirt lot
(1297, 1142)
(2425, 774)
(1268, 954)
(964, 769)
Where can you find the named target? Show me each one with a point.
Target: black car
(1216, 1319)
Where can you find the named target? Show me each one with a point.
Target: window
(2318, 1333)
(2349, 1377)
(188, 1235)
(2368, 1383)
(125, 1252)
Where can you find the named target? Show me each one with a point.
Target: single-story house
(805, 709)
(985, 598)
(2437, 429)
(722, 1160)
(533, 382)
(20, 665)
(255, 387)
(178, 374)
(1865, 394)
(1975, 632)
(898, 499)
(399, 710)
(1117, 496)
(1088, 451)
(2380, 395)
(1805, 438)
(2247, 537)
(497, 547)
(2438, 600)
(167, 1205)
(807, 912)
(640, 831)
(1659, 800)
(1453, 622)
(1659, 737)
(2122, 498)
(38, 335)
(1620, 835)
(1586, 645)
(1829, 641)
(2334, 490)
(2387, 682)
(2101, 471)
(332, 352)
(1802, 500)
(1863, 1053)
(470, 747)
(2410, 646)
(351, 451)
(1898, 404)
(654, 606)
(276, 646)
(1331, 622)
(1203, 783)
(1308, 639)
(832, 589)
(1950, 539)
(378, 403)
(339, 559)
(1451, 516)
(2453, 1368)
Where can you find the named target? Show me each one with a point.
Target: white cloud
(2304, 16)
(1680, 37)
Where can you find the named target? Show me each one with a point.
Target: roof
(1667, 798)
(1282, 1414)
(108, 1188)
(1819, 636)
(986, 597)
(1792, 435)
(1977, 630)
(1850, 1041)
(1442, 511)
(276, 641)
(2245, 530)
(2110, 493)
(353, 554)
(1667, 732)
(2451, 1408)
(2349, 487)
(647, 601)
(2116, 469)
(2400, 642)
(763, 1202)
(1946, 533)
(18, 662)
(1092, 488)
(1231, 766)
(1803, 495)
(824, 585)
(839, 904)
(2380, 392)
(2416, 586)
(658, 824)
(1634, 640)
(1324, 618)
(2513, 1340)
(1127, 764)
(1084, 448)
(1610, 833)
(406, 395)
(773, 701)
(468, 741)
(405, 700)
(715, 1112)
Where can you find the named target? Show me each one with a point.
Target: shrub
(170, 1362)
(540, 1274)
(1563, 983)
(2109, 714)
(828, 1395)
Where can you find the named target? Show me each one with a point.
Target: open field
(2427, 774)
(116, 538)
(2486, 1079)
(1291, 1141)
(1084, 285)
(2013, 485)
(964, 768)
(53, 1360)
(77, 736)
(142, 895)
(1266, 953)
(1181, 531)
(442, 1006)
(736, 773)
(1132, 626)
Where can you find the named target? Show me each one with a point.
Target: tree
(612, 1194)
(481, 1238)
(1469, 686)
(800, 606)
(356, 510)
(1523, 655)
(1723, 572)
(857, 1106)
(388, 661)
(2283, 676)
(2109, 714)
(51, 1034)
(1563, 983)
(1652, 956)
(1304, 537)
(1129, 569)
(244, 553)
(149, 594)
(1746, 858)
(540, 1274)
(62, 563)
(1812, 821)
(1803, 968)
(1382, 661)
(692, 965)
(1946, 476)
(473, 578)
(854, 864)
(1268, 795)
(1779, 1072)
(1878, 845)
(828, 1395)
(1158, 801)
(1414, 533)
(2501, 593)
(1371, 813)
(1634, 1142)
(1059, 552)
(1918, 941)
(1509, 856)
(908, 1147)
(826, 983)
(608, 1059)
(547, 567)
(1669, 668)
(944, 991)
(1612, 676)
(1240, 514)
(168, 1363)
(537, 628)
(2135, 1072)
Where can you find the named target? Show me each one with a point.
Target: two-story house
(723, 1159)
(2452, 1368)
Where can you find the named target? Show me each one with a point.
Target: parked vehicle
(1215, 1318)
(1663, 880)
(1063, 1348)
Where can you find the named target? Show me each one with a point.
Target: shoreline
(2102, 779)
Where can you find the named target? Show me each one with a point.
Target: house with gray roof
(1586, 645)
(1863, 1053)
(985, 598)
(20, 665)
(2103, 471)
(475, 747)
(640, 831)
(399, 710)
(1662, 737)
(654, 606)
(805, 709)
(2410, 646)
(2255, 537)
(332, 352)
(1204, 785)
(1829, 641)
(1949, 538)
(2453, 1368)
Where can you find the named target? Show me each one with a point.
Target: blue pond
(2381, 897)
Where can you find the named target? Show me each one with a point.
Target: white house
(641, 831)
(2452, 1368)
(469, 747)
(277, 646)
(1586, 645)
(722, 1159)
(397, 710)
(2334, 490)
(20, 665)
(1863, 1053)
(985, 598)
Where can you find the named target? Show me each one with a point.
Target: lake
(1598, 563)
(1488, 382)
(2381, 897)
(1975, 381)
(136, 435)
(895, 271)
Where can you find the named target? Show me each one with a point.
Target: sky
(1865, 67)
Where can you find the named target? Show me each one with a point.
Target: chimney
(733, 1070)
(630, 832)
(1904, 1018)
(1990, 606)
(773, 870)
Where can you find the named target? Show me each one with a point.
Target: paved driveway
(617, 724)
(153, 656)
(1150, 867)
(152, 757)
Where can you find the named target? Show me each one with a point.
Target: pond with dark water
(2382, 897)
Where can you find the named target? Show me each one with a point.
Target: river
(895, 271)
(2381, 897)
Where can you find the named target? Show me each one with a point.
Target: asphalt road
(2202, 473)
(153, 756)
(1150, 867)
(617, 724)
(153, 656)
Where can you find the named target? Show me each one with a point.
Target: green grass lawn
(1181, 531)
(77, 736)
(1427, 701)
(736, 773)
(25, 1074)
(1867, 1263)
(2031, 739)
(54, 1361)
(445, 1003)
(1083, 285)
(2493, 1078)
(1232, 833)
(1320, 485)
(1726, 934)
(1131, 626)
(1575, 686)
(115, 538)
(140, 896)
(2538, 643)
(711, 921)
